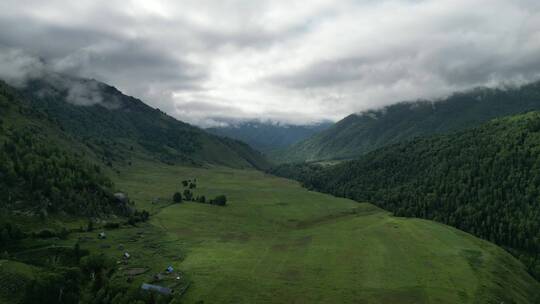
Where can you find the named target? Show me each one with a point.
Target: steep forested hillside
(267, 137)
(484, 181)
(361, 133)
(114, 125)
(40, 175)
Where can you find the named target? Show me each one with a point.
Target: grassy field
(276, 242)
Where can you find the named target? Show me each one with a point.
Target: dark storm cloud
(296, 61)
(137, 60)
(48, 40)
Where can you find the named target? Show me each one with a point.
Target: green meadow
(276, 242)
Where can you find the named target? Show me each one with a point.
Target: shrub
(177, 197)
(63, 234)
(188, 195)
(137, 217)
(95, 263)
(220, 200)
(112, 226)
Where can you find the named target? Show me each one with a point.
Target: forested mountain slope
(52, 151)
(483, 180)
(267, 137)
(43, 172)
(360, 133)
(111, 124)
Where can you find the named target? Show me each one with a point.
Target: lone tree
(220, 200)
(188, 195)
(185, 183)
(177, 197)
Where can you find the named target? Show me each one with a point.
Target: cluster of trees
(138, 217)
(188, 195)
(189, 183)
(37, 175)
(484, 181)
(220, 200)
(86, 278)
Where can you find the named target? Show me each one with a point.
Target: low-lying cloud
(17, 68)
(209, 62)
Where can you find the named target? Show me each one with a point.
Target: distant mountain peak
(267, 136)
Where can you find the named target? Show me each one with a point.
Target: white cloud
(16, 67)
(292, 61)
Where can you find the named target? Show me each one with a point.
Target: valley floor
(276, 242)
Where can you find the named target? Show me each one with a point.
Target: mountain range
(117, 127)
(360, 133)
(77, 155)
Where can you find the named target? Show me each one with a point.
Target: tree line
(485, 181)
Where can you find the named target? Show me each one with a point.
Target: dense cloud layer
(291, 61)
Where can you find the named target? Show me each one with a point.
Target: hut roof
(160, 289)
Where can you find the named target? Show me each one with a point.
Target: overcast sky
(291, 61)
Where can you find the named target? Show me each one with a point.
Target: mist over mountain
(267, 136)
(119, 127)
(360, 133)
